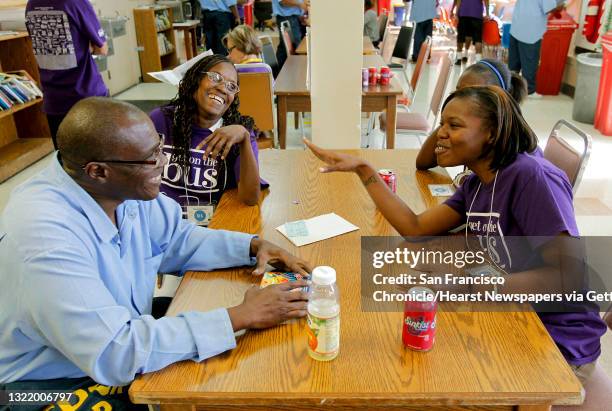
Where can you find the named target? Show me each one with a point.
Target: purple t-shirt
(208, 178)
(61, 32)
(471, 8)
(532, 198)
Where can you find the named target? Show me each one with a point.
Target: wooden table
(293, 96)
(480, 359)
(190, 36)
(368, 47)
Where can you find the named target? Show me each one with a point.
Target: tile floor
(593, 200)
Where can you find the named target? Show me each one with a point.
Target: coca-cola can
(385, 76)
(365, 77)
(373, 75)
(419, 328)
(390, 179)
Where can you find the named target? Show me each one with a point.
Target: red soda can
(365, 77)
(390, 179)
(419, 328)
(373, 75)
(385, 76)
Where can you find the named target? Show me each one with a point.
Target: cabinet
(24, 132)
(156, 42)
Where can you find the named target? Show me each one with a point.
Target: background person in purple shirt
(469, 27)
(510, 193)
(209, 145)
(65, 34)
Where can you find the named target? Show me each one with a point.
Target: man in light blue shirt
(81, 244)
(218, 18)
(528, 26)
(290, 11)
(422, 13)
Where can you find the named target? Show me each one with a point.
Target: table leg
(281, 116)
(194, 41)
(533, 407)
(391, 118)
(187, 35)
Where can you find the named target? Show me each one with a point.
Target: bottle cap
(323, 275)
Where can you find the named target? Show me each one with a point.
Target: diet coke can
(419, 328)
(388, 176)
(385, 76)
(365, 77)
(373, 75)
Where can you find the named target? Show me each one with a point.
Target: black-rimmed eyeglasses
(157, 154)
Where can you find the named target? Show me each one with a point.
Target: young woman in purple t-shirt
(510, 195)
(210, 146)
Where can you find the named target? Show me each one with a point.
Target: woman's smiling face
(214, 99)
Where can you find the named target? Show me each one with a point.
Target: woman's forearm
(248, 186)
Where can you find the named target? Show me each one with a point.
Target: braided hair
(184, 108)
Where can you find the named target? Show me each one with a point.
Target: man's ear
(96, 171)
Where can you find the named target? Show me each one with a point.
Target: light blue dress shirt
(218, 5)
(279, 10)
(76, 291)
(423, 10)
(529, 19)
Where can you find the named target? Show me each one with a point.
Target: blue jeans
(525, 58)
(296, 37)
(216, 25)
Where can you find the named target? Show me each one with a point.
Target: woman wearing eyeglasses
(209, 145)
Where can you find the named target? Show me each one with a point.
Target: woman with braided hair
(210, 146)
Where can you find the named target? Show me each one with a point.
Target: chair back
(256, 94)
(446, 63)
(382, 25)
(268, 53)
(420, 63)
(285, 30)
(563, 155)
(402, 45)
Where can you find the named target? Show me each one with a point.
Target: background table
(293, 96)
(190, 36)
(479, 359)
(368, 47)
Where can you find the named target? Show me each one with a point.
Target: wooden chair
(257, 97)
(559, 152)
(421, 124)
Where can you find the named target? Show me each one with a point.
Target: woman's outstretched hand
(335, 161)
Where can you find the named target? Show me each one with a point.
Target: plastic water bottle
(323, 326)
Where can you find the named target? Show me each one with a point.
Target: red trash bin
(248, 13)
(555, 44)
(603, 110)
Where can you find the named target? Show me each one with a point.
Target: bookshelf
(153, 24)
(24, 131)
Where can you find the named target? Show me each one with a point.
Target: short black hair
(368, 4)
(510, 133)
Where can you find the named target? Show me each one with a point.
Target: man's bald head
(98, 128)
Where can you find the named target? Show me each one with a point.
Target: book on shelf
(16, 88)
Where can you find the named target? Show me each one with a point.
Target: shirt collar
(101, 224)
(217, 125)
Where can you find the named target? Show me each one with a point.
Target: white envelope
(174, 76)
(321, 228)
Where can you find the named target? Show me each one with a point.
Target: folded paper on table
(174, 76)
(320, 228)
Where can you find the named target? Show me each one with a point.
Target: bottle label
(323, 334)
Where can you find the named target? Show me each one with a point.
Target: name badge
(200, 215)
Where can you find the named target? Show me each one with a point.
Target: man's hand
(268, 253)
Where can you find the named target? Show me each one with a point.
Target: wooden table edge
(349, 399)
